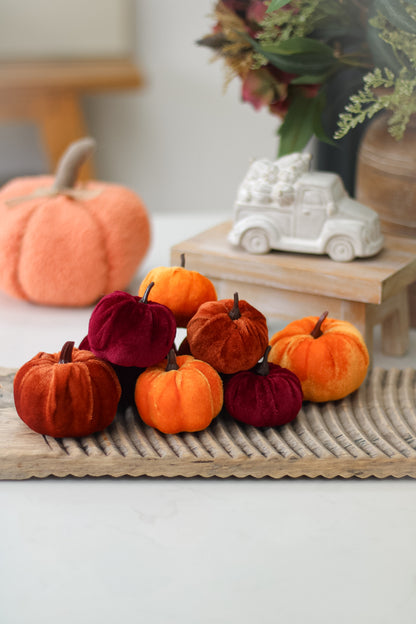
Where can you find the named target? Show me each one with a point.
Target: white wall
(180, 142)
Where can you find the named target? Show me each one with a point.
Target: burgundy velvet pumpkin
(126, 375)
(131, 331)
(265, 396)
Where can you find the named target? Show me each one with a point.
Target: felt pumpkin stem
(70, 163)
(235, 313)
(317, 332)
(65, 357)
(172, 363)
(263, 367)
(182, 264)
(146, 293)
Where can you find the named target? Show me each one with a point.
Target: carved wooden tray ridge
(371, 433)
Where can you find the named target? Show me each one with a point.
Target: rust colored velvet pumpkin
(265, 396)
(180, 289)
(66, 394)
(328, 356)
(131, 331)
(229, 334)
(67, 244)
(179, 394)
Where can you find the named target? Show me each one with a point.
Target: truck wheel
(255, 241)
(340, 249)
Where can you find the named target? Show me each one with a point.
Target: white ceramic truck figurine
(282, 205)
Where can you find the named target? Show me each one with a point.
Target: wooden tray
(370, 433)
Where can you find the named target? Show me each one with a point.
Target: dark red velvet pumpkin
(127, 376)
(68, 394)
(229, 334)
(131, 331)
(266, 396)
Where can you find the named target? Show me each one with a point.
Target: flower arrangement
(287, 52)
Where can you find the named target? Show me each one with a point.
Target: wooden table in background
(48, 93)
(287, 286)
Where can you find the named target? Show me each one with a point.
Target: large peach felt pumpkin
(67, 244)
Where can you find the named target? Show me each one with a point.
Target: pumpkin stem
(146, 293)
(235, 313)
(263, 367)
(70, 163)
(65, 357)
(182, 264)
(316, 332)
(172, 363)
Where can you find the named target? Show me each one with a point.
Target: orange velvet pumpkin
(328, 356)
(66, 394)
(180, 289)
(67, 244)
(179, 394)
(229, 334)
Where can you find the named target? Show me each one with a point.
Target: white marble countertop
(192, 550)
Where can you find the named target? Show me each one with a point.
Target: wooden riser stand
(287, 286)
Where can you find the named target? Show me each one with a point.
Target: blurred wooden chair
(49, 94)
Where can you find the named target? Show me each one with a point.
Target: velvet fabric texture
(127, 331)
(229, 345)
(264, 400)
(69, 399)
(182, 399)
(180, 289)
(126, 375)
(330, 366)
(67, 252)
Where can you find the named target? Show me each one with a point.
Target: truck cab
(281, 205)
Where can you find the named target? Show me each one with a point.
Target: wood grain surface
(371, 433)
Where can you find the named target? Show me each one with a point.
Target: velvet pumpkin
(179, 394)
(328, 356)
(66, 394)
(229, 334)
(180, 289)
(131, 331)
(265, 396)
(67, 244)
(126, 375)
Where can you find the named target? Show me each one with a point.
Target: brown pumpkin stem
(235, 313)
(172, 363)
(146, 293)
(65, 357)
(316, 332)
(70, 163)
(263, 367)
(182, 264)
